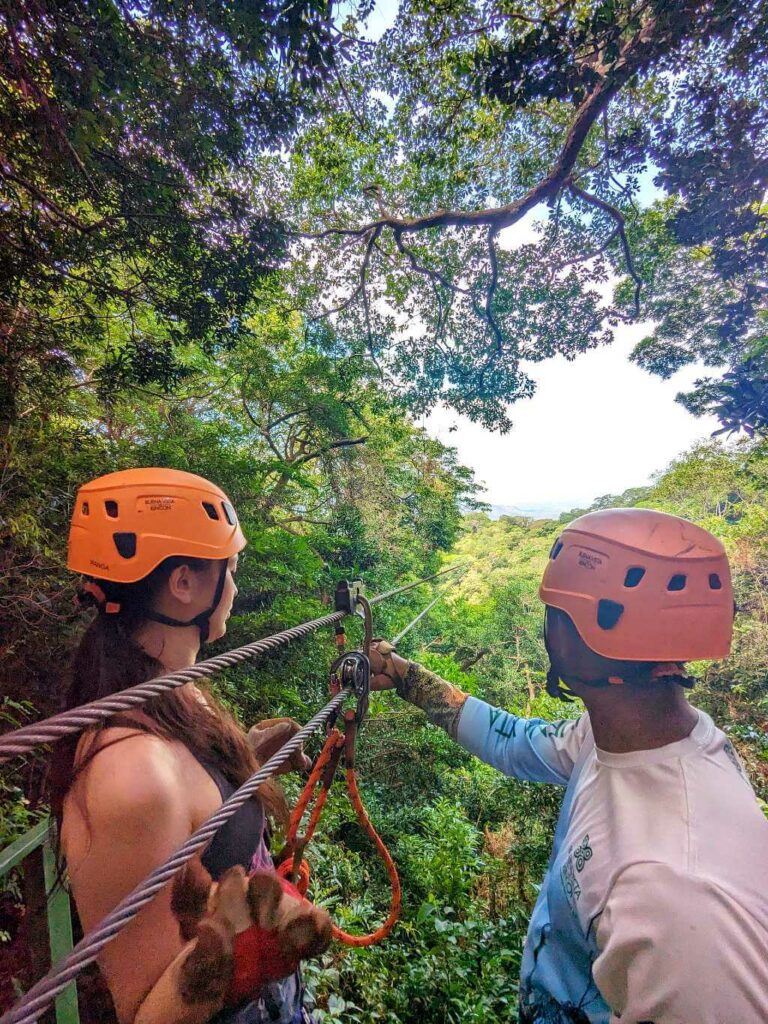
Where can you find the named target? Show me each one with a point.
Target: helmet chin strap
(557, 688)
(203, 620)
(674, 671)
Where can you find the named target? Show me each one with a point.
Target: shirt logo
(582, 853)
(570, 883)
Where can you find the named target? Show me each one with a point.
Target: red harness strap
(294, 867)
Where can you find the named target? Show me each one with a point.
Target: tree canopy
(126, 214)
(636, 131)
(163, 162)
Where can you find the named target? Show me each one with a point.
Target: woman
(159, 549)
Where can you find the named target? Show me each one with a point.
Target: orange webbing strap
(293, 866)
(350, 726)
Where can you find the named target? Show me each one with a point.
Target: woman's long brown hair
(109, 659)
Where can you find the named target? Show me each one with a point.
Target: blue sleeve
(527, 748)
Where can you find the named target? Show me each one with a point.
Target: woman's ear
(182, 584)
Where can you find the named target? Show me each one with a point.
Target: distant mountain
(546, 510)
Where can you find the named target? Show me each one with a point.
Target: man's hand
(268, 736)
(387, 668)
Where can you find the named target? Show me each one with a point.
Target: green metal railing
(33, 852)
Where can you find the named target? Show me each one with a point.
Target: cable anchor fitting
(347, 596)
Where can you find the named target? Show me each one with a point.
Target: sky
(595, 426)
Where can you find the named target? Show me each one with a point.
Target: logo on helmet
(587, 560)
(159, 503)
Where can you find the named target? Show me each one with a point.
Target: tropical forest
(264, 242)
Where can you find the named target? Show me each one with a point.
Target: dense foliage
(246, 240)
(127, 217)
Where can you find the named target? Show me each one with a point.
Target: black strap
(555, 686)
(203, 620)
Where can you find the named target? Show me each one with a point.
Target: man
(654, 907)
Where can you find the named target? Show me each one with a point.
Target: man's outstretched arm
(527, 748)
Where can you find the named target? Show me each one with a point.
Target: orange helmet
(125, 524)
(641, 585)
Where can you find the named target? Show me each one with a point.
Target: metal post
(60, 935)
(44, 894)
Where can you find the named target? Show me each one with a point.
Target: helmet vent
(211, 510)
(85, 508)
(229, 513)
(125, 544)
(110, 507)
(633, 577)
(677, 582)
(608, 613)
(715, 583)
(557, 547)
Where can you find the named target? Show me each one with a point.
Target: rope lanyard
(295, 868)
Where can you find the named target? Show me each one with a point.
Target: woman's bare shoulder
(128, 773)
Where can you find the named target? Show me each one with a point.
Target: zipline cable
(42, 994)
(409, 586)
(76, 719)
(22, 740)
(403, 632)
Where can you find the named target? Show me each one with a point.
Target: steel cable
(425, 611)
(76, 719)
(22, 740)
(42, 994)
(409, 586)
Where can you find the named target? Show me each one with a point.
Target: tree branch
(433, 275)
(350, 106)
(491, 291)
(636, 54)
(618, 218)
(345, 443)
(68, 218)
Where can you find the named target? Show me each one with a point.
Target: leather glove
(388, 669)
(250, 930)
(265, 738)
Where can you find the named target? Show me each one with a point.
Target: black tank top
(241, 838)
(242, 841)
